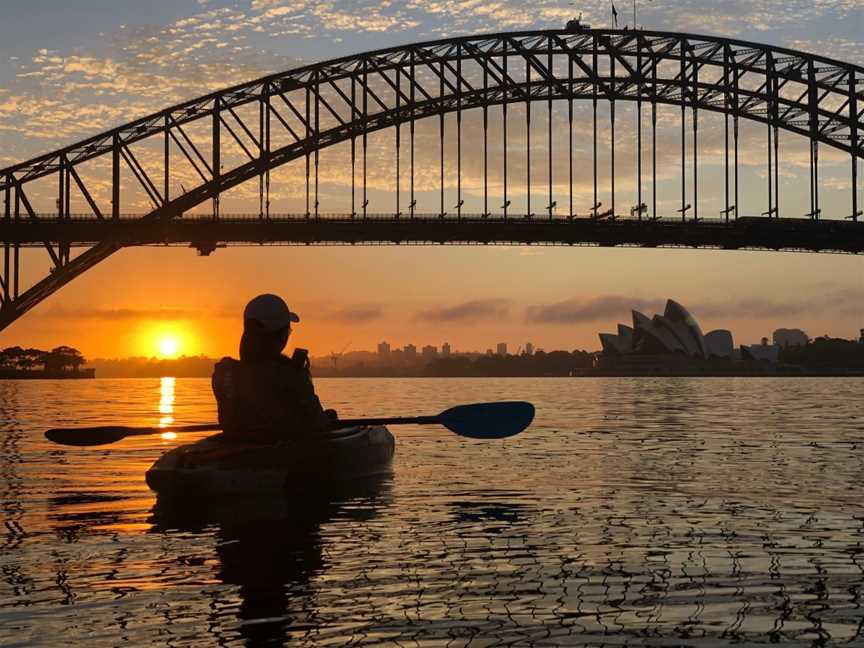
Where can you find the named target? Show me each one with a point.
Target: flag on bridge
(615, 15)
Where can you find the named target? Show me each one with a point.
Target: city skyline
(783, 336)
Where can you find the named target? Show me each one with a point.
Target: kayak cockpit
(218, 466)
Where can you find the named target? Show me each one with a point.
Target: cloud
(580, 310)
(753, 308)
(469, 310)
(591, 309)
(358, 314)
(842, 49)
(845, 301)
(59, 96)
(730, 16)
(65, 95)
(264, 5)
(126, 314)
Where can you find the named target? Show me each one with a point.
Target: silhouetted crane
(335, 356)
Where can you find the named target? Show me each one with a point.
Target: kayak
(216, 465)
(358, 499)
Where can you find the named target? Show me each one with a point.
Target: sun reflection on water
(166, 405)
(620, 514)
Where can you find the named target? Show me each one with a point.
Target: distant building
(763, 352)
(529, 349)
(785, 338)
(384, 350)
(861, 339)
(410, 351)
(719, 344)
(445, 349)
(429, 352)
(490, 352)
(501, 349)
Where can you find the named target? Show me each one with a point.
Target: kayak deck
(216, 465)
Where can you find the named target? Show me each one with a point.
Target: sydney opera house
(675, 333)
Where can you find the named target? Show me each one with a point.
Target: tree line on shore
(821, 353)
(825, 352)
(62, 358)
(142, 367)
(553, 363)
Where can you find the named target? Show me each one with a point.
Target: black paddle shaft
(477, 421)
(395, 420)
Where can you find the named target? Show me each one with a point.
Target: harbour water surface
(698, 512)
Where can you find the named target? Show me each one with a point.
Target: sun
(168, 347)
(167, 340)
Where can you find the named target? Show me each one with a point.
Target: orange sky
(471, 297)
(56, 92)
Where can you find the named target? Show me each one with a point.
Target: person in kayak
(266, 396)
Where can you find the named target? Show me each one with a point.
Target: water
(663, 512)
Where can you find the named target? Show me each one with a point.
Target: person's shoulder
(227, 361)
(225, 364)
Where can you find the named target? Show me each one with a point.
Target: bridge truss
(295, 115)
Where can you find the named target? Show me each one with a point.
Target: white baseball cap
(270, 311)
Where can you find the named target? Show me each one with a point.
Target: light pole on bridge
(635, 24)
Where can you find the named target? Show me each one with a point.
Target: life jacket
(268, 401)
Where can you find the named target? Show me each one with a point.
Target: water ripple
(661, 512)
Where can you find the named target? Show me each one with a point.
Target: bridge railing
(46, 217)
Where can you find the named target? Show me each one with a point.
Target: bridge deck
(206, 233)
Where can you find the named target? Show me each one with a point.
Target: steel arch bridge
(297, 114)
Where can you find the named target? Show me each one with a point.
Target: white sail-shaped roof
(614, 344)
(625, 334)
(681, 334)
(677, 314)
(656, 338)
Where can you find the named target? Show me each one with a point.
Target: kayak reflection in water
(267, 396)
(271, 547)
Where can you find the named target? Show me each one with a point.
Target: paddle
(478, 421)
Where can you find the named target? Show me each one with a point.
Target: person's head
(266, 327)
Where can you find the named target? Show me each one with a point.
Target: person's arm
(222, 383)
(313, 419)
(303, 407)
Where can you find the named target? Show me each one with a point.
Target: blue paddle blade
(488, 420)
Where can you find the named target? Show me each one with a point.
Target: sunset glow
(168, 302)
(168, 347)
(366, 321)
(166, 341)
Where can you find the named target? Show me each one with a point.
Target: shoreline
(808, 374)
(83, 374)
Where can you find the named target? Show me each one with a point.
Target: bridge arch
(323, 104)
